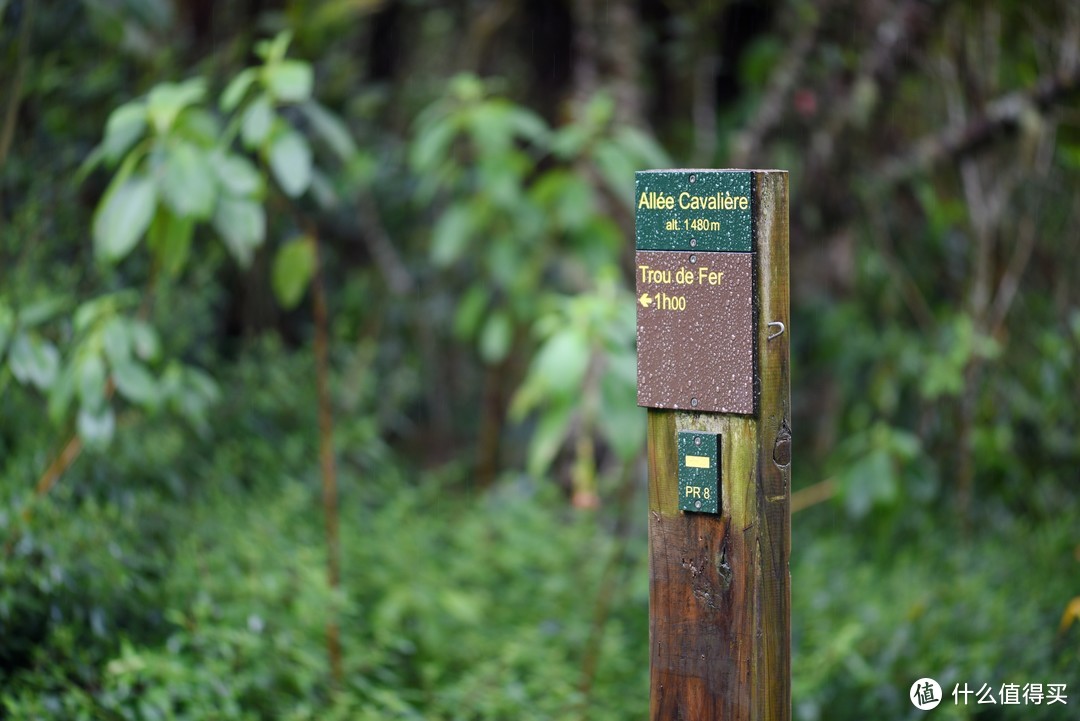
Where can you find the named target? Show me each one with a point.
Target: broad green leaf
(167, 100)
(617, 169)
(290, 162)
(61, 394)
(868, 482)
(96, 427)
(188, 183)
(562, 361)
(496, 337)
(34, 314)
(123, 217)
(294, 266)
(135, 383)
(190, 392)
(199, 126)
(116, 339)
(170, 240)
(623, 423)
(331, 129)
(550, 433)
(491, 130)
(236, 89)
(470, 311)
(289, 80)
(7, 323)
(256, 122)
(529, 125)
(242, 225)
(451, 235)
(237, 174)
(649, 152)
(273, 51)
(33, 360)
(431, 145)
(322, 190)
(91, 382)
(145, 340)
(125, 126)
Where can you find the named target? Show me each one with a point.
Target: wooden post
(719, 591)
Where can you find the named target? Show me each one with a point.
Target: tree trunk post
(713, 356)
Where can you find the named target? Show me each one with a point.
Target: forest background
(317, 348)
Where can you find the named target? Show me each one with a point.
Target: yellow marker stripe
(697, 462)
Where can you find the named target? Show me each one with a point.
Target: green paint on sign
(694, 210)
(699, 472)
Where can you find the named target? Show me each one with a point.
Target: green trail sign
(694, 210)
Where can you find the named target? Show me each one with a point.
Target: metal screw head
(693, 402)
(693, 242)
(697, 441)
(697, 504)
(692, 177)
(693, 258)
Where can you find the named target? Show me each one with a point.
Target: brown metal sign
(695, 330)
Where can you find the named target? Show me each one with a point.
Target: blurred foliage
(172, 172)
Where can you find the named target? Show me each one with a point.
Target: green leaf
(870, 481)
(548, 438)
(34, 314)
(91, 380)
(331, 129)
(116, 339)
(96, 427)
(294, 267)
(242, 225)
(7, 324)
(273, 51)
(529, 125)
(623, 423)
(289, 80)
(145, 340)
(123, 217)
(470, 311)
(562, 361)
(33, 360)
(170, 239)
(451, 235)
(237, 174)
(61, 394)
(135, 383)
(496, 337)
(167, 100)
(188, 183)
(290, 162)
(617, 169)
(126, 125)
(198, 126)
(236, 89)
(432, 144)
(256, 122)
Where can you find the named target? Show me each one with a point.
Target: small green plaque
(699, 472)
(694, 210)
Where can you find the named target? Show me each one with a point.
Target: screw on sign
(711, 269)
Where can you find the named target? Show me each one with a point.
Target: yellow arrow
(645, 300)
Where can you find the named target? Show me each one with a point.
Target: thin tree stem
(326, 458)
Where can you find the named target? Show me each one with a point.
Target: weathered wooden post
(713, 330)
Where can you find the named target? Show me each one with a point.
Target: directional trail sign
(713, 330)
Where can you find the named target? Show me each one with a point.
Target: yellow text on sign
(699, 275)
(698, 492)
